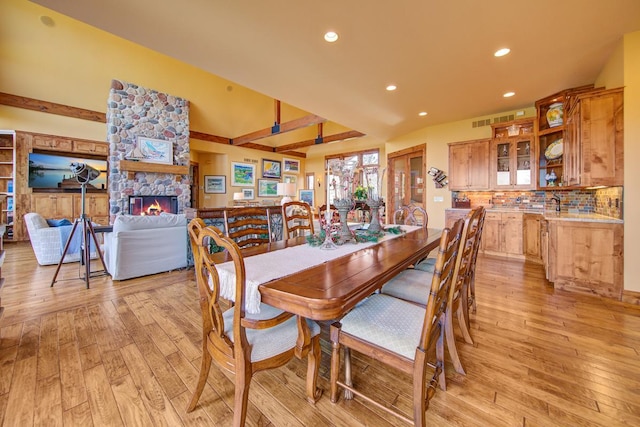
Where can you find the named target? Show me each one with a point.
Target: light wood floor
(127, 353)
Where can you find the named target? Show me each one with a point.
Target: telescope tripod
(88, 233)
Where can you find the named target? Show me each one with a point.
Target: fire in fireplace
(152, 205)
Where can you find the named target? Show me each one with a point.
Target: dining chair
(412, 285)
(298, 219)
(249, 226)
(411, 215)
(401, 334)
(470, 294)
(240, 342)
(336, 225)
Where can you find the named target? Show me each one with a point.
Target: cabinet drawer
(51, 143)
(91, 148)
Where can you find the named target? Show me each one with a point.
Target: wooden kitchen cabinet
(587, 257)
(469, 165)
(594, 139)
(503, 234)
(531, 237)
(512, 155)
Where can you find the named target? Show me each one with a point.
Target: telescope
(84, 173)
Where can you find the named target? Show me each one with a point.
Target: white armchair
(46, 241)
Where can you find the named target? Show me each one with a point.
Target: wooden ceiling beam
(324, 140)
(295, 124)
(51, 107)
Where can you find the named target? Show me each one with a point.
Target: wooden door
(405, 182)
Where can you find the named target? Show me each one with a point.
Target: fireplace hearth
(152, 205)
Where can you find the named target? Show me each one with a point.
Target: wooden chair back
(470, 294)
(248, 226)
(457, 299)
(298, 219)
(386, 310)
(411, 215)
(335, 218)
(224, 332)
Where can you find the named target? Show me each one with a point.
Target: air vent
(503, 118)
(487, 122)
(480, 123)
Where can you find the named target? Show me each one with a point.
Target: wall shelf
(132, 167)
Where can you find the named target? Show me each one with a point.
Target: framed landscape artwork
(307, 196)
(271, 169)
(291, 165)
(267, 188)
(292, 179)
(152, 151)
(243, 174)
(248, 194)
(216, 184)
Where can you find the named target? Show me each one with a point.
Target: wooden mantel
(132, 167)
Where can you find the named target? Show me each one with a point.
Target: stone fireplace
(152, 205)
(133, 112)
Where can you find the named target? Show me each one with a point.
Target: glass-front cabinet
(513, 156)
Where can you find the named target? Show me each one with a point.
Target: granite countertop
(556, 216)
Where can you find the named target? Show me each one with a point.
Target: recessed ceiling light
(502, 52)
(391, 87)
(509, 94)
(422, 113)
(331, 36)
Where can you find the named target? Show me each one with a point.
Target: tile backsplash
(606, 201)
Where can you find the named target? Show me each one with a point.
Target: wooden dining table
(329, 290)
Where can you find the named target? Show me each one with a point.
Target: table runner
(265, 267)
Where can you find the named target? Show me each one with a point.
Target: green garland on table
(361, 236)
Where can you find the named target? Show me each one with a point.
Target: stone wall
(134, 111)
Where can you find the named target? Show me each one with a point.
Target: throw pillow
(58, 222)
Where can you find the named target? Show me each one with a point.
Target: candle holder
(374, 206)
(328, 243)
(344, 206)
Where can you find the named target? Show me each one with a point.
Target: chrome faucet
(556, 199)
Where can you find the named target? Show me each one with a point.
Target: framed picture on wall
(291, 165)
(152, 151)
(291, 179)
(243, 174)
(215, 184)
(248, 194)
(307, 196)
(267, 188)
(271, 169)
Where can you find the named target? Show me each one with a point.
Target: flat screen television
(53, 171)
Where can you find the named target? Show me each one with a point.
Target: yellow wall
(631, 154)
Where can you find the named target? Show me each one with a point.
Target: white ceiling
(439, 53)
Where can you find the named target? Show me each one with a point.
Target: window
(367, 170)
